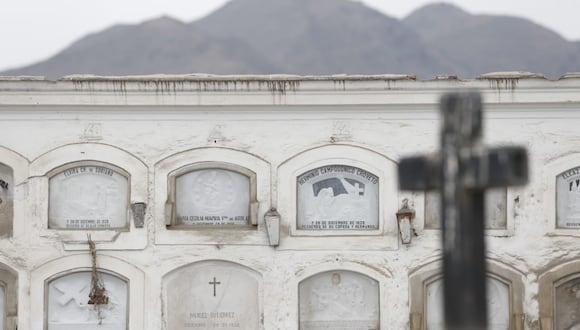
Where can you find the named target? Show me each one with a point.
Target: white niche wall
(191, 177)
(365, 174)
(61, 286)
(120, 174)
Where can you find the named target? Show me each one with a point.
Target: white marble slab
(212, 197)
(212, 295)
(568, 199)
(568, 305)
(339, 300)
(498, 305)
(338, 197)
(6, 199)
(495, 209)
(68, 307)
(2, 306)
(88, 197)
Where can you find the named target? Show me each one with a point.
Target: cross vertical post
(214, 283)
(462, 171)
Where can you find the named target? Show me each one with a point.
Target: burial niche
(212, 295)
(6, 200)
(568, 303)
(338, 197)
(568, 199)
(339, 300)
(88, 196)
(68, 307)
(209, 195)
(498, 305)
(495, 209)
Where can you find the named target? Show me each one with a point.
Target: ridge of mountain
(318, 37)
(477, 44)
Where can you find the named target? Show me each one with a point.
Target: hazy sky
(33, 30)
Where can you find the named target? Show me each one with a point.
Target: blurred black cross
(462, 171)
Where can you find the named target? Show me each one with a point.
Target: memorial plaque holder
(170, 204)
(129, 237)
(548, 282)
(550, 174)
(421, 277)
(386, 237)
(245, 167)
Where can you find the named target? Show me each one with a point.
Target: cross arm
(498, 167)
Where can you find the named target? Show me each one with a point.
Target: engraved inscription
(498, 305)
(212, 197)
(495, 209)
(68, 306)
(339, 300)
(568, 304)
(226, 299)
(88, 197)
(338, 197)
(568, 199)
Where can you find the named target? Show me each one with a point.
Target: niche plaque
(88, 197)
(568, 305)
(2, 306)
(6, 200)
(498, 305)
(212, 295)
(495, 209)
(212, 197)
(338, 197)
(68, 306)
(341, 300)
(568, 199)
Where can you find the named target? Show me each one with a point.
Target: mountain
(163, 45)
(476, 44)
(323, 36)
(318, 37)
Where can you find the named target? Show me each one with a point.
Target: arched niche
(67, 306)
(90, 188)
(343, 175)
(6, 200)
(338, 298)
(504, 294)
(210, 294)
(559, 297)
(8, 298)
(212, 196)
(61, 285)
(13, 176)
(346, 281)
